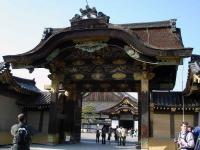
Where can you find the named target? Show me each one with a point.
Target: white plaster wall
(8, 112)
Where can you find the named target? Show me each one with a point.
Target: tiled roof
(156, 24)
(43, 99)
(158, 34)
(174, 100)
(103, 96)
(125, 103)
(40, 101)
(98, 105)
(27, 84)
(107, 96)
(24, 86)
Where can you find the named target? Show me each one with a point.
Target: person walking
(123, 136)
(21, 133)
(116, 137)
(109, 133)
(119, 136)
(103, 134)
(97, 136)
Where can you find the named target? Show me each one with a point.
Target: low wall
(6, 138)
(161, 144)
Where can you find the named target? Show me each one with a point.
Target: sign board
(114, 124)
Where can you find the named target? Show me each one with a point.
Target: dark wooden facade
(95, 55)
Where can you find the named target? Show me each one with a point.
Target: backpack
(22, 136)
(185, 138)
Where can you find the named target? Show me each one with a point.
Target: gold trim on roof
(78, 76)
(118, 76)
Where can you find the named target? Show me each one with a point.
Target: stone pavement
(87, 143)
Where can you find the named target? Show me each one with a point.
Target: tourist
(116, 137)
(103, 134)
(123, 136)
(119, 136)
(109, 133)
(21, 133)
(97, 136)
(185, 139)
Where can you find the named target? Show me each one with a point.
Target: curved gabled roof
(147, 39)
(125, 105)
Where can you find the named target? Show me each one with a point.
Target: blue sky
(23, 22)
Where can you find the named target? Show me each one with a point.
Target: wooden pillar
(52, 130)
(144, 110)
(73, 116)
(54, 112)
(77, 118)
(151, 113)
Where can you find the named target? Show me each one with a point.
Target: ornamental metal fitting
(91, 46)
(89, 13)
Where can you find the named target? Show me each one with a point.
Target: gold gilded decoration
(125, 110)
(119, 62)
(78, 62)
(196, 78)
(173, 109)
(118, 75)
(78, 76)
(144, 75)
(91, 46)
(132, 52)
(125, 101)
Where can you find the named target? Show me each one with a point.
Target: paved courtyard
(87, 143)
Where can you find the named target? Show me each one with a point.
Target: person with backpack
(185, 138)
(21, 133)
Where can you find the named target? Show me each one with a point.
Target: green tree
(89, 114)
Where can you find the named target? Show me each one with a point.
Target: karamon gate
(95, 55)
